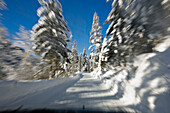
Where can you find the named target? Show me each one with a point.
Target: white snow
(33, 93)
(145, 90)
(52, 15)
(162, 46)
(66, 93)
(148, 89)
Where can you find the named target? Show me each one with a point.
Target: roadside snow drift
(146, 86)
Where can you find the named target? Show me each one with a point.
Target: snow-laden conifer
(86, 65)
(51, 35)
(95, 38)
(80, 62)
(74, 58)
(134, 27)
(9, 58)
(103, 57)
(28, 65)
(23, 39)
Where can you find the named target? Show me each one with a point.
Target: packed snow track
(81, 93)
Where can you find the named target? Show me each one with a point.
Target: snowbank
(152, 81)
(148, 89)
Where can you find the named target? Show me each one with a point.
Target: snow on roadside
(148, 90)
(12, 93)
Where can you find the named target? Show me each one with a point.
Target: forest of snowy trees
(135, 27)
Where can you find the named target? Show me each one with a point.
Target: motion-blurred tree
(51, 35)
(74, 58)
(135, 25)
(95, 39)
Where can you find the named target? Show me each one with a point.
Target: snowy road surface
(83, 91)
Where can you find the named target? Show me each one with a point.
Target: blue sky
(78, 14)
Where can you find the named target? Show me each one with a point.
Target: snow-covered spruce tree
(4, 46)
(103, 57)
(74, 58)
(11, 55)
(51, 36)
(2, 35)
(134, 27)
(23, 40)
(84, 52)
(114, 32)
(86, 65)
(92, 64)
(80, 62)
(95, 38)
(28, 64)
(9, 58)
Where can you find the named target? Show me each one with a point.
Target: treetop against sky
(78, 14)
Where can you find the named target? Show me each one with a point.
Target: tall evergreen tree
(4, 47)
(9, 58)
(115, 54)
(86, 64)
(96, 38)
(51, 36)
(103, 57)
(23, 40)
(134, 26)
(28, 64)
(74, 58)
(80, 62)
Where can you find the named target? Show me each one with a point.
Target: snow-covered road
(82, 91)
